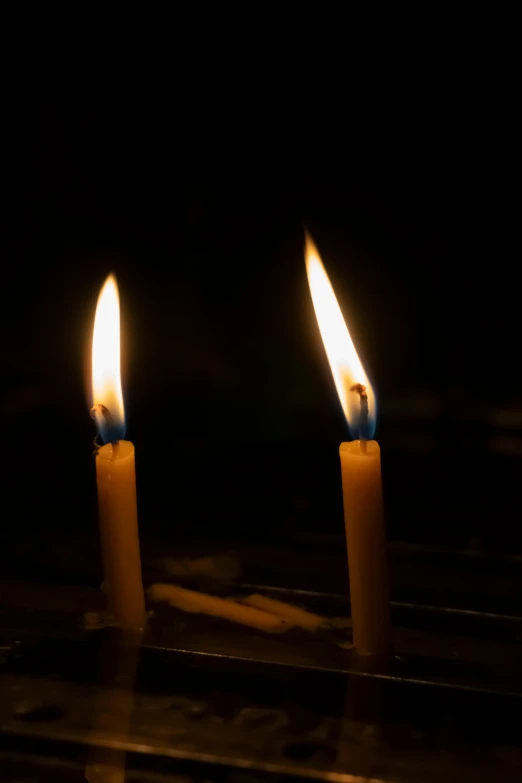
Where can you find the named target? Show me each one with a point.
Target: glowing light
(345, 364)
(106, 374)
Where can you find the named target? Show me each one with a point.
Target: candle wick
(101, 410)
(98, 412)
(360, 389)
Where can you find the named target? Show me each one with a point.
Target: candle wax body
(116, 482)
(366, 542)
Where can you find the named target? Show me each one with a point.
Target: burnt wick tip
(360, 389)
(101, 410)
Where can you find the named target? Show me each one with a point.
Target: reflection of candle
(115, 473)
(113, 702)
(361, 470)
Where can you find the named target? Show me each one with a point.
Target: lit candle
(115, 471)
(360, 469)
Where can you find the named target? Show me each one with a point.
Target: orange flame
(345, 364)
(106, 374)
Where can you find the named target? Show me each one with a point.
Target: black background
(229, 398)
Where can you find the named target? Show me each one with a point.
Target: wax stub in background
(202, 603)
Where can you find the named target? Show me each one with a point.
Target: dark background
(228, 394)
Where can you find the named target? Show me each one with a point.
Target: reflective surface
(201, 696)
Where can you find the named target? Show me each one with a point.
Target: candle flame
(347, 370)
(106, 373)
